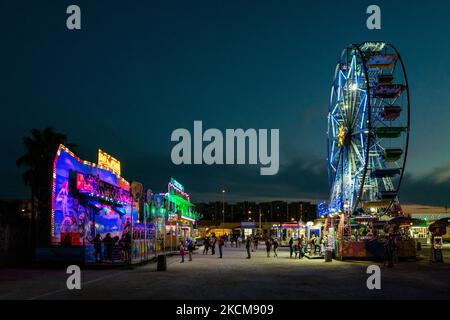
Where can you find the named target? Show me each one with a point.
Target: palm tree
(41, 149)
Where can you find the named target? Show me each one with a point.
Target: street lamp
(260, 215)
(223, 211)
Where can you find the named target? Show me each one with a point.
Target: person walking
(248, 244)
(98, 248)
(389, 252)
(268, 246)
(239, 241)
(213, 244)
(190, 248)
(301, 247)
(206, 245)
(316, 245)
(225, 239)
(311, 244)
(127, 246)
(275, 248)
(255, 242)
(291, 247)
(108, 243)
(182, 251)
(221, 244)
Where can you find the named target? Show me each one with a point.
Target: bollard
(328, 256)
(162, 263)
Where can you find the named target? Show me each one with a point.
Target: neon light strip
(171, 185)
(62, 147)
(53, 192)
(187, 218)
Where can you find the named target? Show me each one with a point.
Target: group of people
(188, 246)
(108, 243)
(297, 247)
(209, 242)
(212, 241)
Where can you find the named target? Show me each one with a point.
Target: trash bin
(328, 256)
(162, 263)
(419, 245)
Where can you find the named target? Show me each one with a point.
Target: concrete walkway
(235, 277)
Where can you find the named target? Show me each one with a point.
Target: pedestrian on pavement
(316, 245)
(255, 242)
(275, 247)
(108, 242)
(301, 247)
(389, 252)
(221, 244)
(296, 251)
(248, 244)
(239, 241)
(291, 247)
(225, 239)
(268, 246)
(98, 248)
(182, 252)
(190, 248)
(127, 246)
(206, 245)
(213, 244)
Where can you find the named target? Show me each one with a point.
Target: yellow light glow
(108, 162)
(341, 135)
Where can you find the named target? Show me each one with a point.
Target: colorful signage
(93, 186)
(108, 162)
(136, 190)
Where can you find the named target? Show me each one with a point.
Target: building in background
(274, 211)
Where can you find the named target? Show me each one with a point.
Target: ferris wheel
(368, 129)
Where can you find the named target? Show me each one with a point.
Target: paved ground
(235, 277)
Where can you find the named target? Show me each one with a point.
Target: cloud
(299, 179)
(431, 188)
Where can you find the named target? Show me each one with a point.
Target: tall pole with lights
(223, 209)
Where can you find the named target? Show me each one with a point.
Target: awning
(439, 227)
(178, 200)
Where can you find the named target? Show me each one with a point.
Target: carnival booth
(366, 236)
(285, 231)
(181, 216)
(90, 199)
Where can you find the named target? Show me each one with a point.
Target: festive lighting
(108, 162)
(341, 135)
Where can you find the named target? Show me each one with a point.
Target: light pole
(260, 215)
(223, 210)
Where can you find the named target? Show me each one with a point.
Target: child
(182, 251)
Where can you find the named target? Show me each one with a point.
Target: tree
(38, 159)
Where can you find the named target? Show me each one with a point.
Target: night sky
(140, 69)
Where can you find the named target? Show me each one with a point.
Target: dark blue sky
(140, 69)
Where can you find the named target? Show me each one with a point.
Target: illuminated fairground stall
(92, 199)
(285, 231)
(181, 216)
(368, 135)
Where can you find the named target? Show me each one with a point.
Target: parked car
(199, 241)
